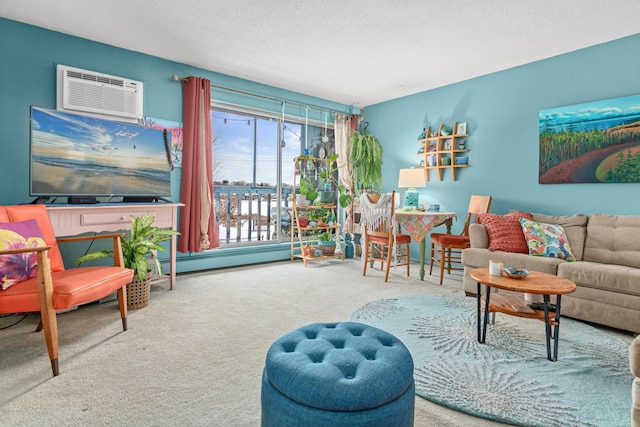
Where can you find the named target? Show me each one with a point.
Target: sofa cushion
(575, 228)
(15, 268)
(613, 239)
(504, 231)
(546, 240)
(606, 277)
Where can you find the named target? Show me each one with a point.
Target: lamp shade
(411, 178)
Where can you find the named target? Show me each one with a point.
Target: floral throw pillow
(15, 268)
(546, 240)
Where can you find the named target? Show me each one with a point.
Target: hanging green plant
(366, 160)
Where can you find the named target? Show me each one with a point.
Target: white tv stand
(71, 220)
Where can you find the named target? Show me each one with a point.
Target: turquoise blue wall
(501, 111)
(27, 77)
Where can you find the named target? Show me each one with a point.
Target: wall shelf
(433, 149)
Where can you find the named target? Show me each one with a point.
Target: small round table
(536, 283)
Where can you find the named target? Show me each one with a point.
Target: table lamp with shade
(412, 179)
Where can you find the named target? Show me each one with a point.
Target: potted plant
(326, 244)
(365, 156)
(311, 192)
(139, 246)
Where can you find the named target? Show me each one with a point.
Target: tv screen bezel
(126, 127)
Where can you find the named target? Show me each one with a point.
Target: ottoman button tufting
(333, 374)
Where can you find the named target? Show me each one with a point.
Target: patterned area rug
(508, 379)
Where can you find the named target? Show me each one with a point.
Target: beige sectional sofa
(607, 270)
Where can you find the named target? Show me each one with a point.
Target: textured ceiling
(357, 52)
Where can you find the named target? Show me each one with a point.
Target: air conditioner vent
(99, 95)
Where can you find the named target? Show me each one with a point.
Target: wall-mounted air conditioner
(99, 95)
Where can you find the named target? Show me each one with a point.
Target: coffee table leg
(556, 330)
(547, 325)
(552, 333)
(478, 311)
(482, 321)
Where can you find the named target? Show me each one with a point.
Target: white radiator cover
(99, 95)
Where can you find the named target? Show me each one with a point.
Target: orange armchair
(56, 288)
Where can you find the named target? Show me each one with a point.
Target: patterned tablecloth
(418, 223)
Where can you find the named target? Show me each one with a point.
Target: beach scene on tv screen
(73, 154)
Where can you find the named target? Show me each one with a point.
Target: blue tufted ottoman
(338, 374)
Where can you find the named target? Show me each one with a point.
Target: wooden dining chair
(380, 236)
(446, 249)
(34, 279)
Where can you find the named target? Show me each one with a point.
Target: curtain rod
(177, 78)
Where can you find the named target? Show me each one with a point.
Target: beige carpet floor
(194, 356)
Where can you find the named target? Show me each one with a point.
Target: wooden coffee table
(536, 283)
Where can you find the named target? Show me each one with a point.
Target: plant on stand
(139, 246)
(311, 191)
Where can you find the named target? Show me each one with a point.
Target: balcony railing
(249, 214)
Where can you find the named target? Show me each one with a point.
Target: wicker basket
(327, 248)
(138, 292)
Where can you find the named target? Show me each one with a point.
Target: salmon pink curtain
(198, 230)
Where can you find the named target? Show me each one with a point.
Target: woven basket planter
(138, 292)
(327, 248)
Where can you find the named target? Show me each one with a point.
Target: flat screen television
(75, 155)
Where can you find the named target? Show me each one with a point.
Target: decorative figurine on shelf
(423, 135)
(461, 144)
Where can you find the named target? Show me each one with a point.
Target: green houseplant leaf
(311, 193)
(366, 160)
(140, 243)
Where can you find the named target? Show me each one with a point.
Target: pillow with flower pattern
(15, 268)
(546, 240)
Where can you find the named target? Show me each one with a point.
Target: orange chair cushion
(71, 287)
(450, 239)
(401, 239)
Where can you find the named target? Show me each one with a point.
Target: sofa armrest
(478, 236)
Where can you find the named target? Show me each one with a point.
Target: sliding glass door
(253, 172)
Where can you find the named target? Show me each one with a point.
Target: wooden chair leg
(122, 303)
(39, 327)
(431, 259)
(442, 257)
(408, 260)
(388, 258)
(47, 312)
(366, 258)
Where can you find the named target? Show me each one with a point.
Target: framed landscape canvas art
(594, 142)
